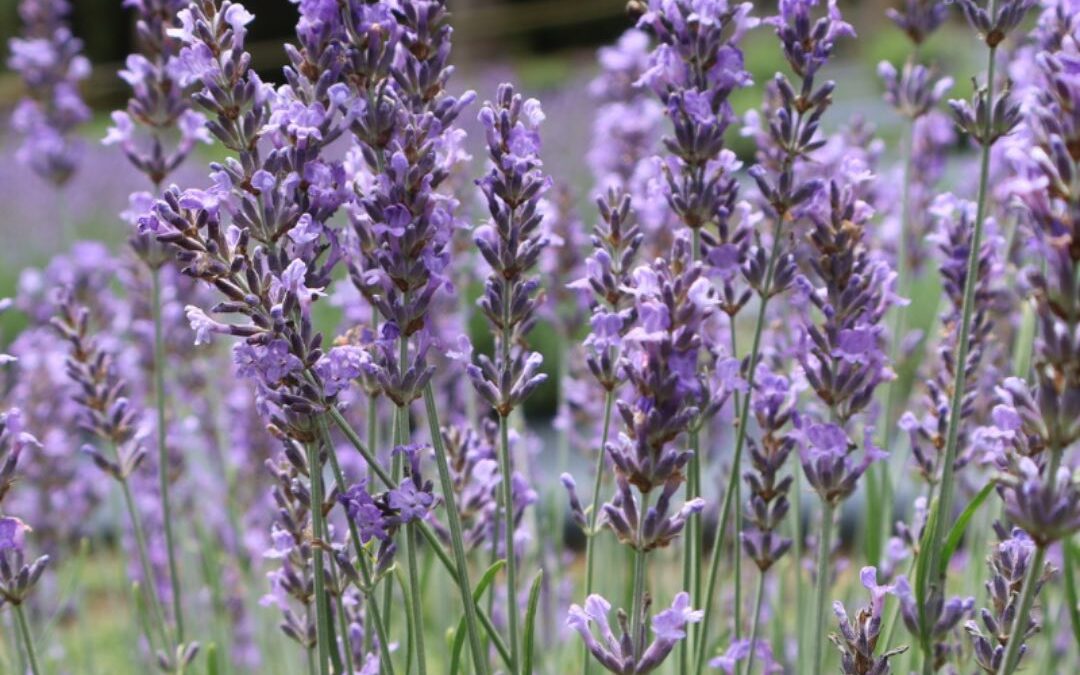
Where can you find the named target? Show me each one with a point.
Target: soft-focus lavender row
(737, 356)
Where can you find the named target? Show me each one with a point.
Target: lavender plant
(49, 59)
(337, 246)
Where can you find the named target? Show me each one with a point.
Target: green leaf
(1072, 561)
(478, 592)
(530, 621)
(952, 540)
(212, 660)
(922, 570)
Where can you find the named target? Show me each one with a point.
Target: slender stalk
(740, 440)
(1020, 622)
(892, 388)
(343, 621)
(940, 526)
(609, 403)
(508, 490)
(820, 597)
(594, 515)
(163, 453)
(508, 530)
(797, 556)
(368, 590)
(27, 639)
(312, 668)
(639, 581)
(754, 622)
(144, 560)
(415, 599)
(425, 530)
(461, 563)
(414, 603)
(691, 542)
(322, 630)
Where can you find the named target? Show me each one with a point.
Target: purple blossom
(49, 60)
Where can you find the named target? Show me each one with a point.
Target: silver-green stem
(428, 533)
(508, 492)
(163, 453)
(144, 559)
(456, 538)
(754, 622)
(508, 541)
(821, 596)
(343, 621)
(27, 639)
(740, 440)
(1023, 611)
(892, 388)
(940, 522)
(322, 629)
(691, 544)
(368, 590)
(639, 581)
(417, 610)
(609, 403)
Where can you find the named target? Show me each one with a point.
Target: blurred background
(547, 47)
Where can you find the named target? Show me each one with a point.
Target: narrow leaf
(922, 571)
(952, 540)
(530, 621)
(212, 667)
(1072, 598)
(478, 592)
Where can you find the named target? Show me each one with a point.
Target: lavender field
(747, 343)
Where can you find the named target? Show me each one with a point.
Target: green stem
(425, 530)
(797, 557)
(144, 562)
(368, 590)
(163, 453)
(415, 599)
(821, 596)
(754, 622)
(609, 403)
(508, 541)
(343, 621)
(1020, 621)
(740, 440)
(892, 387)
(322, 630)
(944, 507)
(691, 542)
(639, 581)
(27, 640)
(461, 563)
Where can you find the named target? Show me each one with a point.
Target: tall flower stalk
(791, 134)
(159, 107)
(693, 71)
(49, 59)
(18, 577)
(989, 119)
(112, 418)
(511, 245)
(1035, 425)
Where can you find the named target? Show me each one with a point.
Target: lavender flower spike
(49, 60)
(627, 654)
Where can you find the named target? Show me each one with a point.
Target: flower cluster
(629, 654)
(1011, 562)
(858, 638)
(49, 59)
(17, 575)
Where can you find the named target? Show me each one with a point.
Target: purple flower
(49, 60)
